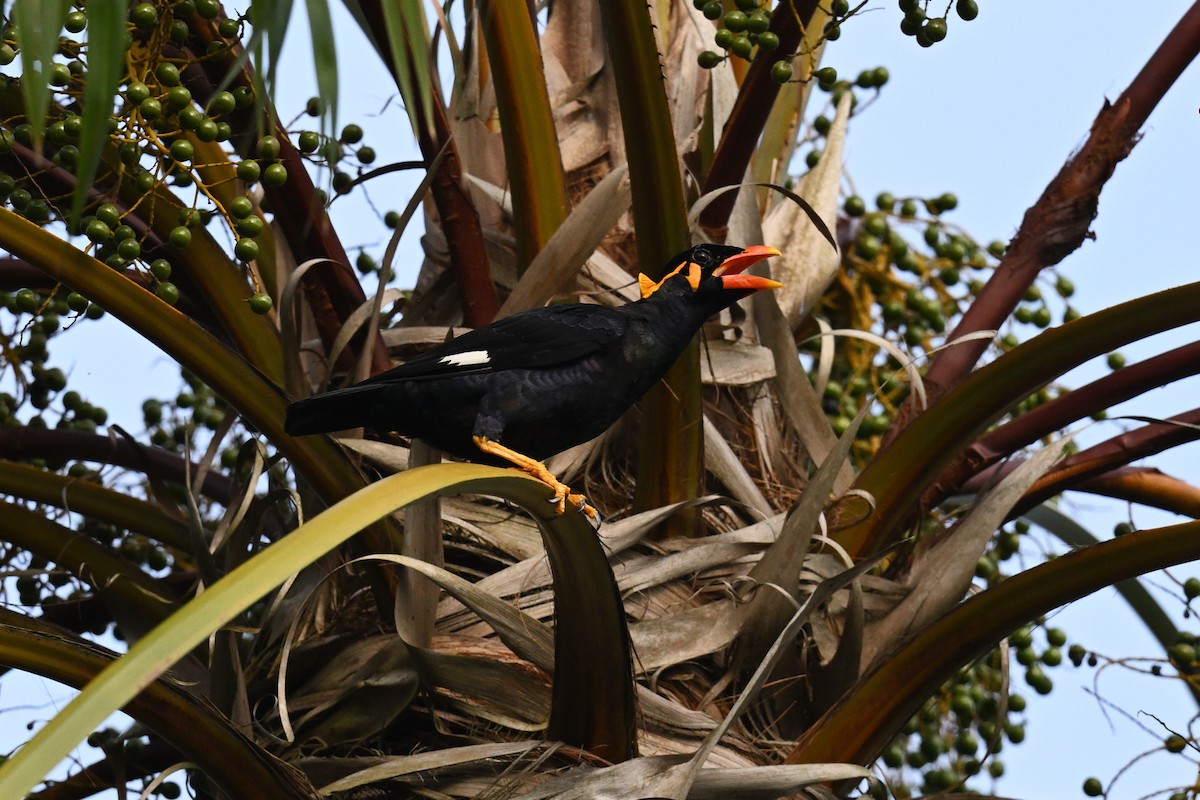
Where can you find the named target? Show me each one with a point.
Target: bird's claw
(563, 495)
(536, 469)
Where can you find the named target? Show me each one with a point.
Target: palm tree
(780, 601)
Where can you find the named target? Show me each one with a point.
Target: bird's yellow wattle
(648, 286)
(694, 274)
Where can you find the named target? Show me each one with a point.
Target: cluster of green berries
(828, 80)
(114, 242)
(60, 75)
(265, 166)
(958, 733)
(171, 422)
(744, 32)
(1004, 545)
(145, 18)
(166, 106)
(32, 205)
(1022, 644)
(928, 31)
(953, 259)
(142, 551)
(129, 749)
(920, 310)
(160, 123)
(40, 584)
(1034, 309)
(845, 395)
(245, 223)
(76, 415)
(905, 208)
(105, 229)
(37, 318)
(154, 138)
(167, 111)
(333, 152)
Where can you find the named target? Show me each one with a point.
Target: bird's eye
(702, 257)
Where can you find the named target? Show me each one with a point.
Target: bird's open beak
(732, 269)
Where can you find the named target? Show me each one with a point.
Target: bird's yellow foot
(562, 492)
(564, 495)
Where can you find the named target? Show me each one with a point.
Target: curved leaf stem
(671, 446)
(872, 711)
(531, 153)
(1058, 223)
(188, 722)
(25, 443)
(750, 113)
(94, 501)
(242, 386)
(1147, 486)
(1062, 411)
(1118, 451)
(900, 473)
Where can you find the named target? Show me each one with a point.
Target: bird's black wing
(539, 338)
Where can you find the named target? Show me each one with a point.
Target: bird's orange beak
(731, 271)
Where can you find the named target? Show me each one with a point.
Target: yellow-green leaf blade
(196, 621)
(38, 23)
(408, 39)
(106, 63)
(324, 56)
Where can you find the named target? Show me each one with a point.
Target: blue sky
(990, 114)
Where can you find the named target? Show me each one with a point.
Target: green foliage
(144, 173)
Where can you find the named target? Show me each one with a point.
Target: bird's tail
(332, 411)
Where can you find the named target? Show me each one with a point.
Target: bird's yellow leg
(562, 492)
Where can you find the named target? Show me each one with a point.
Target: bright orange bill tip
(751, 282)
(731, 271)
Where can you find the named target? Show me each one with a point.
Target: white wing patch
(470, 358)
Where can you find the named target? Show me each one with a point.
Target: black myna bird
(536, 383)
